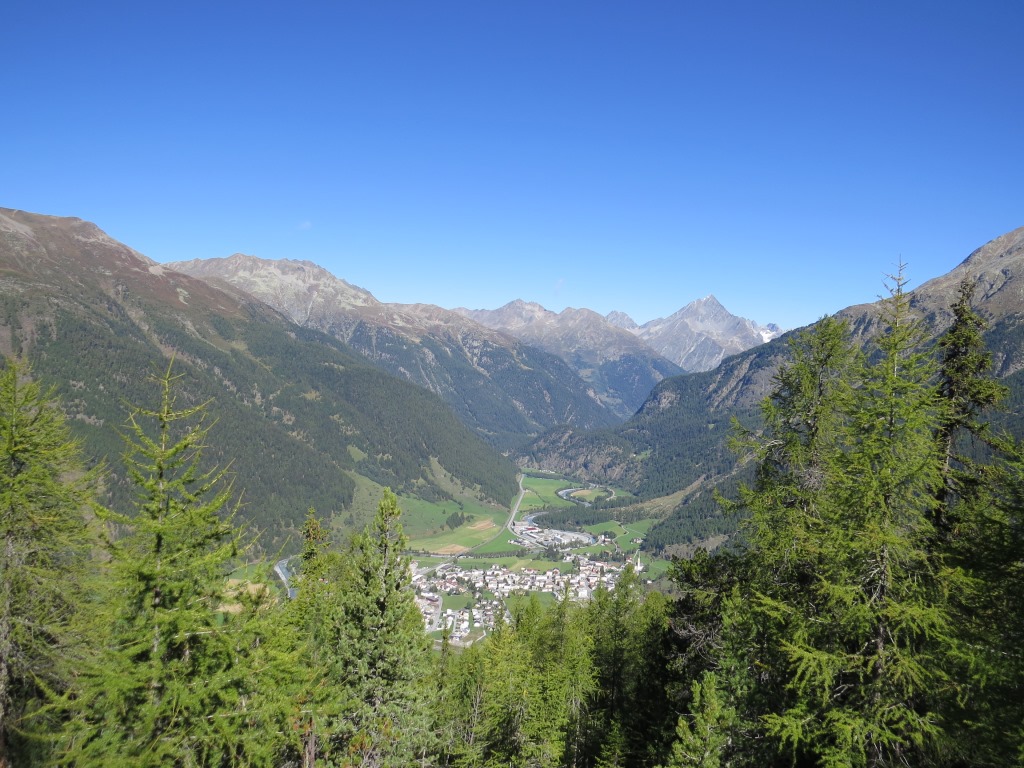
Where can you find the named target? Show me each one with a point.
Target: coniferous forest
(871, 613)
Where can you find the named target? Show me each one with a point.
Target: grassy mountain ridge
(297, 411)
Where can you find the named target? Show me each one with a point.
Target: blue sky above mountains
(632, 156)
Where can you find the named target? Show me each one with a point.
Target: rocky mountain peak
(1006, 248)
(300, 289)
(701, 334)
(621, 320)
(996, 268)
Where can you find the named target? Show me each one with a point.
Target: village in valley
(466, 596)
(490, 588)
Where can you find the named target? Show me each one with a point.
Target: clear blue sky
(615, 155)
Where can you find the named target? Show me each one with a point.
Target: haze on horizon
(781, 157)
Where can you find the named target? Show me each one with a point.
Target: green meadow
(424, 522)
(456, 602)
(590, 495)
(502, 543)
(543, 492)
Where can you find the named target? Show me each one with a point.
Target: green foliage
(838, 635)
(289, 403)
(871, 616)
(561, 685)
(165, 625)
(44, 547)
(978, 536)
(630, 629)
(363, 664)
(702, 739)
(384, 722)
(455, 519)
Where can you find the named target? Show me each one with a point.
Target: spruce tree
(978, 534)
(702, 738)
(317, 630)
(629, 630)
(384, 718)
(44, 545)
(968, 390)
(564, 651)
(460, 713)
(174, 685)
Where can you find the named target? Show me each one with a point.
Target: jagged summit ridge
(701, 334)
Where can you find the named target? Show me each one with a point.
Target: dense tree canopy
(44, 544)
(870, 615)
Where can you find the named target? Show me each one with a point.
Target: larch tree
(969, 390)
(44, 549)
(845, 619)
(315, 618)
(173, 686)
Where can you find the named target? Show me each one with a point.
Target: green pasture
(594, 550)
(590, 495)
(611, 526)
(632, 531)
(425, 520)
(639, 527)
(502, 543)
(463, 536)
(426, 561)
(456, 602)
(654, 568)
(543, 492)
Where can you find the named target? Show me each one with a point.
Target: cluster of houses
(478, 620)
(579, 579)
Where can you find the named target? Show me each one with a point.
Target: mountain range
(302, 419)
(510, 373)
(505, 390)
(320, 389)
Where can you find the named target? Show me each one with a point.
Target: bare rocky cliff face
(997, 271)
(623, 360)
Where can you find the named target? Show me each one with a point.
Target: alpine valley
(323, 394)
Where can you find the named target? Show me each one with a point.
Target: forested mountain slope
(298, 414)
(678, 438)
(506, 390)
